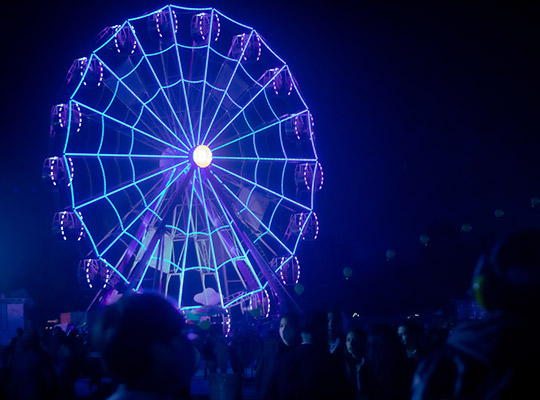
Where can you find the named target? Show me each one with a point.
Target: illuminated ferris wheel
(185, 160)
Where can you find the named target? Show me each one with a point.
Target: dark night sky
(426, 119)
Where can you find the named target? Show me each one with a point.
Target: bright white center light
(202, 156)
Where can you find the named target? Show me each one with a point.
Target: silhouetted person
(497, 357)
(208, 355)
(410, 333)
(32, 372)
(355, 344)
(386, 373)
(69, 358)
(9, 352)
(308, 371)
(274, 347)
(336, 334)
(143, 345)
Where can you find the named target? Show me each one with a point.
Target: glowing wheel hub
(202, 156)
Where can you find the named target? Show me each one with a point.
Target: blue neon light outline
(191, 8)
(132, 70)
(255, 81)
(233, 21)
(87, 68)
(264, 188)
(286, 160)
(209, 229)
(131, 184)
(157, 53)
(131, 156)
(197, 232)
(243, 108)
(201, 183)
(246, 294)
(238, 241)
(185, 248)
(144, 104)
(251, 212)
(137, 240)
(226, 90)
(116, 212)
(188, 112)
(112, 98)
(114, 269)
(222, 55)
(111, 38)
(285, 154)
(97, 155)
(147, 266)
(128, 126)
(159, 82)
(290, 116)
(299, 237)
(205, 76)
(269, 105)
(159, 198)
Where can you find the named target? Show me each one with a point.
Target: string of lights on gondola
(202, 23)
(162, 18)
(122, 37)
(79, 68)
(57, 172)
(253, 46)
(67, 221)
(288, 269)
(60, 116)
(259, 303)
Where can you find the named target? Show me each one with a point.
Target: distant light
(424, 239)
(390, 254)
(202, 156)
(466, 228)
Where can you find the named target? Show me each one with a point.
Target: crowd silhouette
(141, 347)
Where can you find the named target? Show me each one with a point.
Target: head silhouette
(143, 345)
(508, 279)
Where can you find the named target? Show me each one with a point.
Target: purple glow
(201, 24)
(177, 226)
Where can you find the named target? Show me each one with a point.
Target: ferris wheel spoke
(245, 106)
(173, 112)
(185, 247)
(138, 285)
(246, 208)
(238, 242)
(212, 246)
(250, 134)
(131, 184)
(150, 207)
(184, 91)
(205, 77)
(155, 202)
(267, 190)
(144, 105)
(226, 91)
(132, 156)
(270, 159)
(133, 128)
(135, 206)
